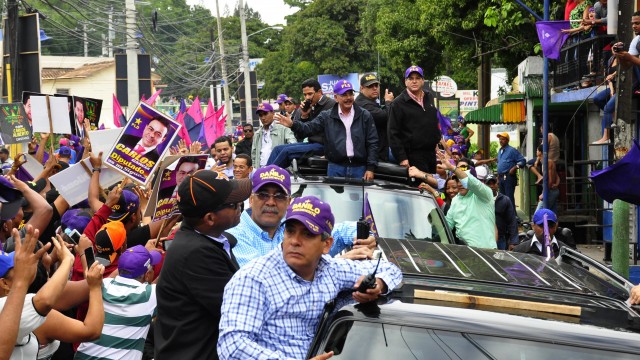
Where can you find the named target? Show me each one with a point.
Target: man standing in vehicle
(272, 306)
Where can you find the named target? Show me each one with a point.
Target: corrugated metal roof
(511, 112)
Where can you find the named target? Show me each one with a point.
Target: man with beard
(369, 92)
(244, 146)
(350, 137)
(223, 149)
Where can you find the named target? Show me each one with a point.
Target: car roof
(491, 323)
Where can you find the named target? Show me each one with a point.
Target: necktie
(139, 149)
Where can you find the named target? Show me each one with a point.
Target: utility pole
(223, 65)
(12, 36)
(132, 57)
(111, 33)
(245, 60)
(86, 39)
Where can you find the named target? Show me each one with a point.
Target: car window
(396, 215)
(367, 340)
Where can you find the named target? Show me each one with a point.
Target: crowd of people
(244, 268)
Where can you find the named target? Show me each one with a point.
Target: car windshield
(396, 214)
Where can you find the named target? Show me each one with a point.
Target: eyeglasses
(247, 130)
(279, 197)
(233, 206)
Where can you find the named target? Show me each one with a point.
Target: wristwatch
(96, 169)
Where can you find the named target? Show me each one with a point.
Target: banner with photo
(171, 172)
(143, 142)
(86, 108)
(14, 124)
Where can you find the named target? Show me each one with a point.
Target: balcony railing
(582, 62)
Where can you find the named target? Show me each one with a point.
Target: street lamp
(245, 60)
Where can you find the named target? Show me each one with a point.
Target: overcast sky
(271, 11)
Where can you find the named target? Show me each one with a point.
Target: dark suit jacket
(380, 117)
(189, 294)
(130, 141)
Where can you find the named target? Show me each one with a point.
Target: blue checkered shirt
(269, 312)
(254, 242)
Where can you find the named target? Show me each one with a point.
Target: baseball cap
(281, 98)
(455, 148)
(490, 178)
(203, 192)
(412, 69)
(6, 262)
(4, 150)
(109, 239)
(271, 174)
(64, 151)
(341, 87)
(369, 79)
(76, 219)
(265, 107)
(10, 199)
(135, 261)
(504, 135)
(313, 213)
(64, 142)
(538, 217)
(127, 204)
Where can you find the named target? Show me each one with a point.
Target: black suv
(459, 302)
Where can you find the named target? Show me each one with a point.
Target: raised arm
(46, 298)
(94, 185)
(42, 211)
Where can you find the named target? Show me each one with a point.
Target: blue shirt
(509, 157)
(269, 312)
(254, 242)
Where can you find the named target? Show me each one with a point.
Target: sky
(271, 11)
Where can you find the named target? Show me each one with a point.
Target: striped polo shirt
(129, 307)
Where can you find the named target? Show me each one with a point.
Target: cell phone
(166, 244)
(306, 105)
(90, 256)
(72, 236)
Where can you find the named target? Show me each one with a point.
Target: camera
(306, 105)
(617, 47)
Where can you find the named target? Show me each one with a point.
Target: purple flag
(444, 123)
(368, 215)
(551, 37)
(609, 181)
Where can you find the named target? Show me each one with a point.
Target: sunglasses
(463, 167)
(233, 206)
(247, 130)
(279, 197)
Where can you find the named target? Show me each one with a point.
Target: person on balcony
(606, 100)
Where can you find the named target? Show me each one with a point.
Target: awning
(510, 112)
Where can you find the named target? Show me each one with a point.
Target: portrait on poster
(143, 142)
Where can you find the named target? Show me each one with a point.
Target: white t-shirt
(27, 343)
(633, 48)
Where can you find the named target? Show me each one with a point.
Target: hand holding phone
(90, 257)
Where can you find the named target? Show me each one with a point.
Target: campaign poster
(26, 101)
(14, 124)
(327, 81)
(173, 170)
(70, 117)
(142, 143)
(50, 116)
(86, 108)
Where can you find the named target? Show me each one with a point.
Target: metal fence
(582, 62)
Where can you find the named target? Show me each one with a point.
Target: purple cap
(455, 148)
(135, 261)
(341, 87)
(313, 213)
(127, 204)
(412, 69)
(281, 98)
(76, 219)
(6, 262)
(265, 107)
(538, 217)
(64, 151)
(271, 174)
